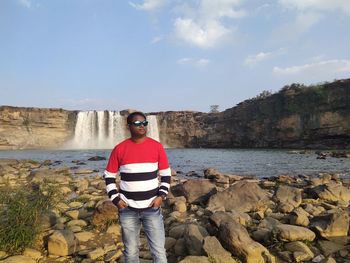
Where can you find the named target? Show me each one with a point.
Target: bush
(21, 209)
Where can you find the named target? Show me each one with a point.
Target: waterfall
(153, 131)
(105, 129)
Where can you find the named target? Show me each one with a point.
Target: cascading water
(105, 129)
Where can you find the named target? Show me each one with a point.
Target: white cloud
(318, 5)
(252, 60)
(318, 71)
(205, 36)
(156, 39)
(194, 62)
(25, 3)
(202, 24)
(148, 5)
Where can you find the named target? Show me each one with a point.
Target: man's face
(138, 131)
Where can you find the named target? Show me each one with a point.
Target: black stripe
(110, 181)
(112, 192)
(164, 188)
(129, 177)
(165, 179)
(139, 196)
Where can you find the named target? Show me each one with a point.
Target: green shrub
(21, 209)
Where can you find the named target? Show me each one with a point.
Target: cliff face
(23, 128)
(295, 117)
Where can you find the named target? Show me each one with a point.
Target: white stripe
(165, 184)
(163, 191)
(139, 186)
(137, 204)
(111, 187)
(114, 196)
(110, 175)
(165, 172)
(139, 167)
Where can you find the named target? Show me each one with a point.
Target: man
(139, 160)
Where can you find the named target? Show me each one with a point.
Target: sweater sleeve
(110, 175)
(164, 172)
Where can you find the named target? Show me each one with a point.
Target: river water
(261, 163)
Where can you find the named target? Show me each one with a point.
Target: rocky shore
(217, 218)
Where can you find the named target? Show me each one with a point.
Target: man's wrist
(162, 196)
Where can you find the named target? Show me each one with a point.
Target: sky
(166, 55)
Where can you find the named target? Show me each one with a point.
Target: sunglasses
(139, 123)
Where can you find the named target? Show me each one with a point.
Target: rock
(329, 260)
(177, 231)
(194, 236)
(195, 191)
(32, 253)
(294, 233)
(76, 222)
(62, 243)
(313, 210)
(215, 251)
(299, 217)
(95, 254)
(115, 230)
(97, 158)
(85, 171)
(180, 247)
(241, 197)
(169, 243)
(332, 225)
(75, 205)
(105, 211)
(301, 252)
(288, 198)
(49, 175)
(18, 259)
(195, 259)
(331, 192)
(81, 185)
(236, 239)
(84, 236)
(180, 206)
(329, 247)
(218, 217)
(113, 255)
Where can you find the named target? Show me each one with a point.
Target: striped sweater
(139, 166)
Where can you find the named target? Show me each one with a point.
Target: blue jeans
(152, 221)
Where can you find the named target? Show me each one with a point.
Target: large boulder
(194, 236)
(19, 259)
(332, 225)
(105, 211)
(195, 191)
(215, 251)
(241, 197)
(235, 238)
(331, 192)
(294, 233)
(62, 243)
(288, 198)
(218, 217)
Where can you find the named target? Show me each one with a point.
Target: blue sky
(159, 55)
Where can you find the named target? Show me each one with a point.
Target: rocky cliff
(23, 128)
(296, 117)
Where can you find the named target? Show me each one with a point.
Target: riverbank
(218, 218)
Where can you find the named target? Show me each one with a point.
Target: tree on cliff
(214, 108)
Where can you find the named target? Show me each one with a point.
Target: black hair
(133, 114)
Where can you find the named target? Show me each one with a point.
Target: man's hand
(157, 202)
(121, 204)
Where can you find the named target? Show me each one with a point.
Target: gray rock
(241, 197)
(288, 198)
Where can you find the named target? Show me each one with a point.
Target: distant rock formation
(317, 116)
